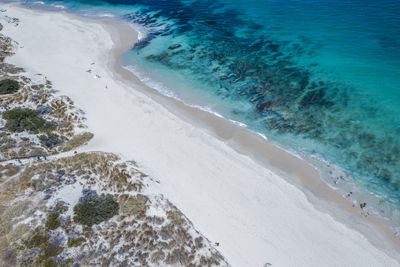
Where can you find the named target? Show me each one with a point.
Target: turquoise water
(321, 78)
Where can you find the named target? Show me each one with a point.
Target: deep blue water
(321, 78)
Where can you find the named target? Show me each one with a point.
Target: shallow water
(321, 78)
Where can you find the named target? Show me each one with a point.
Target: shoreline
(247, 144)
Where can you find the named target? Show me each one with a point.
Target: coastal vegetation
(6, 46)
(49, 140)
(94, 209)
(8, 86)
(124, 210)
(25, 119)
(75, 242)
(52, 222)
(49, 123)
(76, 141)
(35, 231)
(47, 250)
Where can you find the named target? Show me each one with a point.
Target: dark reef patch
(241, 61)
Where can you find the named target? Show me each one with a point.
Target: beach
(258, 202)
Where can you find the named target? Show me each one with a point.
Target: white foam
(106, 15)
(165, 90)
(238, 123)
(58, 6)
(142, 31)
(159, 86)
(262, 135)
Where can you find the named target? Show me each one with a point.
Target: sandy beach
(260, 203)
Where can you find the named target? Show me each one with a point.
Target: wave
(166, 91)
(159, 86)
(58, 6)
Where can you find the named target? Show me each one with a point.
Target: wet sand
(290, 167)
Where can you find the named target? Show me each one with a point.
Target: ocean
(319, 78)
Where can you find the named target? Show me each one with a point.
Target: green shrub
(48, 251)
(61, 207)
(52, 220)
(8, 86)
(49, 140)
(40, 240)
(25, 119)
(49, 263)
(37, 239)
(94, 209)
(74, 242)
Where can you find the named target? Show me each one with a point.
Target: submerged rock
(167, 33)
(265, 105)
(175, 46)
(314, 98)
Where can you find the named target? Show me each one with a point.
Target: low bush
(37, 239)
(61, 206)
(8, 86)
(48, 252)
(75, 242)
(52, 222)
(76, 141)
(25, 119)
(94, 209)
(49, 263)
(49, 140)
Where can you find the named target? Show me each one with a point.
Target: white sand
(255, 215)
